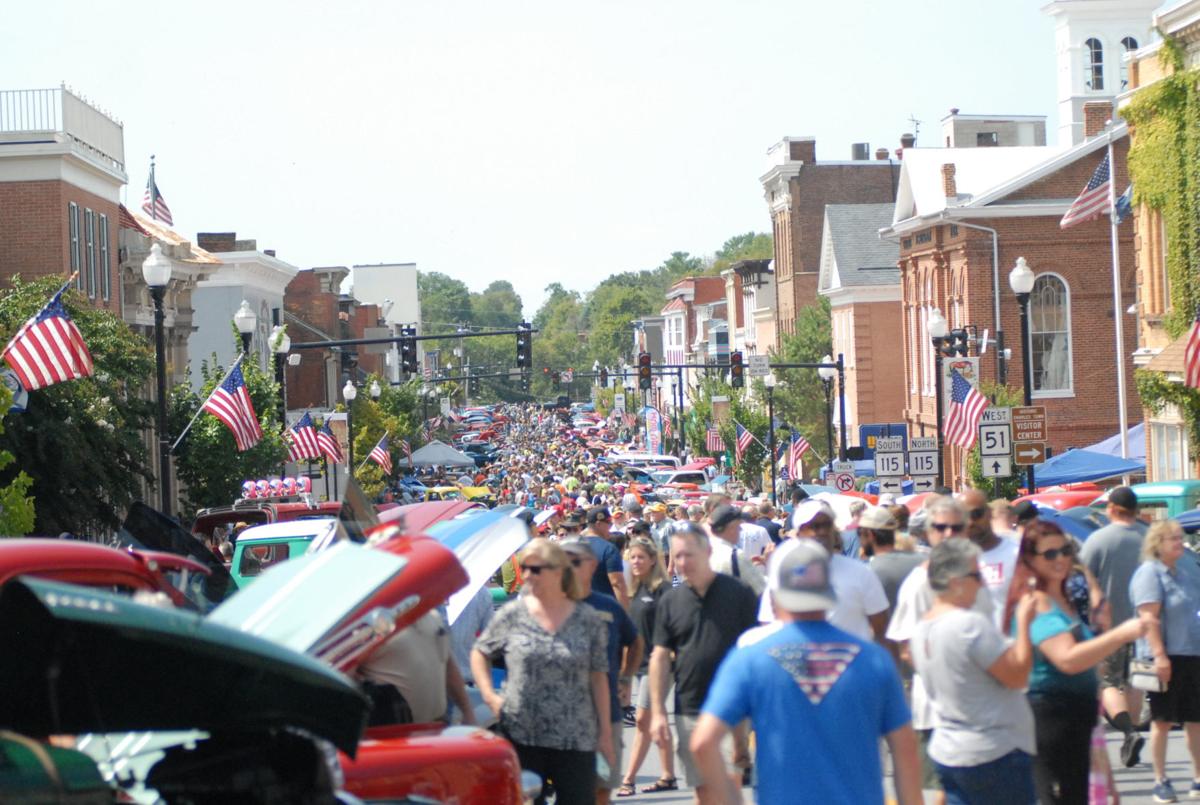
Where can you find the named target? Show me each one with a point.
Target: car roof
(288, 529)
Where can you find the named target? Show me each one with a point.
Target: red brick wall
(303, 299)
(34, 233)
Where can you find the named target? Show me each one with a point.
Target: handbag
(1143, 676)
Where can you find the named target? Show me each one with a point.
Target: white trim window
(1128, 45)
(1093, 64)
(1050, 336)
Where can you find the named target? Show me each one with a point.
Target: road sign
(893, 485)
(995, 415)
(843, 466)
(843, 481)
(445, 406)
(1029, 453)
(889, 465)
(889, 444)
(759, 365)
(922, 462)
(619, 402)
(867, 434)
(995, 439)
(1029, 424)
(923, 483)
(997, 466)
(922, 443)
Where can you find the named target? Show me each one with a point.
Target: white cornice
(862, 294)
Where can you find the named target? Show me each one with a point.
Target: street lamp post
(841, 375)
(827, 373)
(349, 392)
(246, 322)
(937, 334)
(156, 271)
(281, 343)
(769, 382)
(1021, 280)
(376, 390)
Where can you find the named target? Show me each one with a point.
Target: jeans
(1064, 747)
(573, 773)
(1007, 780)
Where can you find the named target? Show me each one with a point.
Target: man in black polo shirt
(699, 621)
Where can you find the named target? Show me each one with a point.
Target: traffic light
(954, 343)
(408, 350)
(524, 345)
(525, 382)
(555, 378)
(645, 376)
(472, 385)
(603, 378)
(737, 370)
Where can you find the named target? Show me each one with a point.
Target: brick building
(62, 166)
(685, 321)
(859, 276)
(797, 187)
(949, 203)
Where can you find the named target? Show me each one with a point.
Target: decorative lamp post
(827, 373)
(349, 392)
(156, 271)
(938, 330)
(246, 321)
(1021, 279)
(375, 390)
(281, 344)
(769, 382)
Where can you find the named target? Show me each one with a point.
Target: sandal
(626, 790)
(665, 784)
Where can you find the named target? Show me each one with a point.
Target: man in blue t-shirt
(609, 577)
(819, 699)
(624, 652)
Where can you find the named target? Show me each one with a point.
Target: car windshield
(662, 477)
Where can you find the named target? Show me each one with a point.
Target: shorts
(684, 727)
(614, 772)
(1180, 702)
(1114, 669)
(642, 697)
(929, 775)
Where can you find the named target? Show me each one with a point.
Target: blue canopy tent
(1112, 445)
(1075, 466)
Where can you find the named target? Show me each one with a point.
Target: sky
(538, 142)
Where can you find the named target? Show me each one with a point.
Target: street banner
(653, 430)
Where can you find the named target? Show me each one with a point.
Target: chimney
(1095, 115)
(217, 241)
(881, 153)
(860, 151)
(907, 140)
(949, 188)
(804, 150)
(269, 252)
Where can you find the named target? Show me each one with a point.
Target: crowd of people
(749, 645)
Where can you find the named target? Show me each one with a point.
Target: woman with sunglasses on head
(555, 704)
(1063, 686)
(648, 582)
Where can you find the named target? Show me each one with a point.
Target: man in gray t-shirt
(877, 536)
(1112, 554)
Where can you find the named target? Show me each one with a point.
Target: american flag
(1191, 355)
(666, 426)
(381, 456)
(713, 442)
(302, 440)
(744, 438)
(48, 348)
(407, 448)
(1093, 201)
(154, 204)
(230, 403)
(966, 408)
(329, 443)
(798, 447)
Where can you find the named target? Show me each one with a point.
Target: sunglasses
(1065, 551)
(978, 514)
(535, 570)
(953, 528)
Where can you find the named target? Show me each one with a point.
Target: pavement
(1134, 785)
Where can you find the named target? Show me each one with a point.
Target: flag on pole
(1124, 205)
(666, 427)
(407, 448)
(230, 403)
(744, 439)
(966, 409)
(713, 442)
(381, 456)
(48, 348)
(329, 443)
(1093, 201)
(154, 204)
(1191, 355)
(302, 439)
(798, 447)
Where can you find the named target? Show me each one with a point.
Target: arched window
(1094, 55)
(1050, 334)
(1129, 44)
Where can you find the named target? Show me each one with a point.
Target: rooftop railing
(59, 115)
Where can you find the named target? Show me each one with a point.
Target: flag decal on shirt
(815, 667)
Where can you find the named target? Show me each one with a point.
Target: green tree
(80, 442)
(800, 395)
(17, 513)
(207, 460)
(498, 306)
(747, 246)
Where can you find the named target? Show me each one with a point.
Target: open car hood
(145, 527)
(75, 660)
(481, 542)
(339, 604)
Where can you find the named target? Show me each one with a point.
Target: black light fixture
(156, 271)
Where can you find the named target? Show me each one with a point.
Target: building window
(89, 247)
(105, 282)
(1095, 64)
(1050, 334)
(1168, 448)
(987, 139)
(1129, 45)
(73, 228)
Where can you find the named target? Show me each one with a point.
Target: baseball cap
(1124, 497)
(1025, 511)
(879, 518)
(598, 515)
(798, 577)
(807, 511)
(722, 516)
(578, 547)
(574, 519)
(656, 507)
